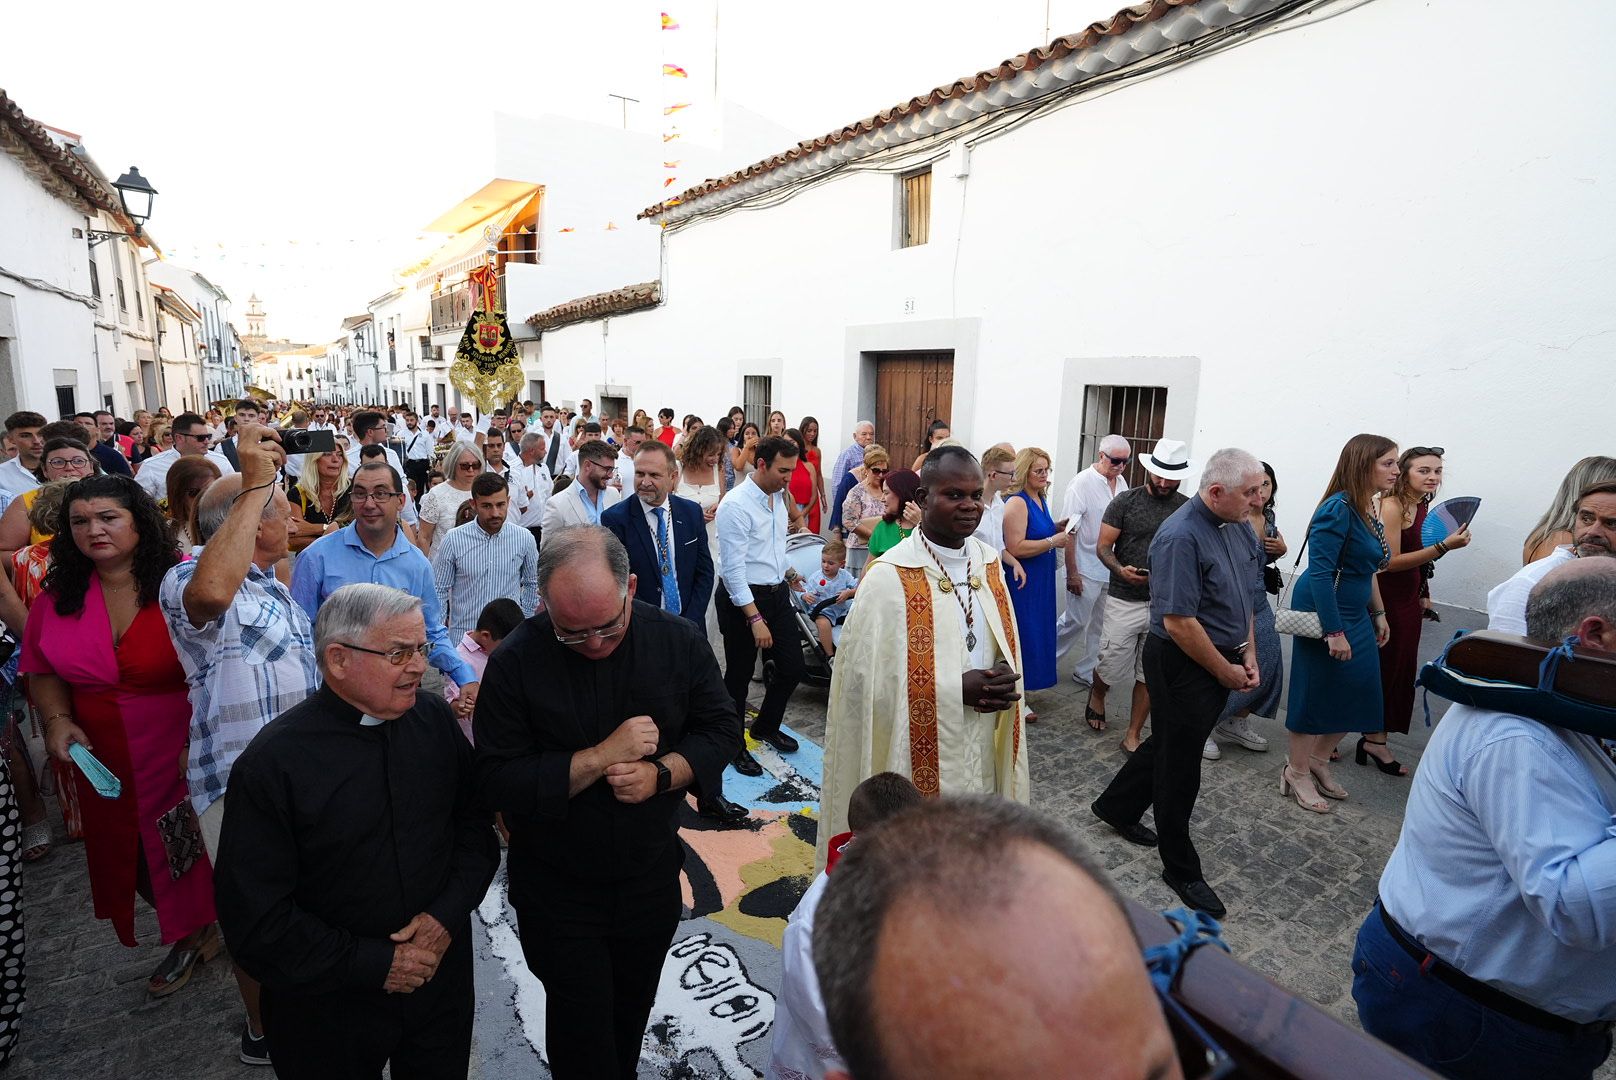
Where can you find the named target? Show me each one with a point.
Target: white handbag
(1288, 620)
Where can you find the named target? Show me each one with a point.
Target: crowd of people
(296, 701)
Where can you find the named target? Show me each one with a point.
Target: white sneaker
(1210, 751)
(1080, 680)
(1238, 729)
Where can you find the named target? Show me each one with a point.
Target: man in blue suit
(666, 538)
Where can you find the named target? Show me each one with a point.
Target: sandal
(1095, 718)
(1289, 784)
(36, 841)
(175, 970)
(1324, 781)
(1390, 768)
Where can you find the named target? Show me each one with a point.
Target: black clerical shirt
(337, 834)
(540, 702)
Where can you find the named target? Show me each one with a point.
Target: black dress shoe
(777, 739)
(721, 809)
(1198, 895)
(1135, 833)
(746, 764)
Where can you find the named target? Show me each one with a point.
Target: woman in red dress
(1404, 593)
(102, 670)
(804, 487)
(810, 437)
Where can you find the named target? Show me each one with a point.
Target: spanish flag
(668, 23)
(675, 71)
(671, 109)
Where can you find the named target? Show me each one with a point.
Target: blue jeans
(1447, 1032)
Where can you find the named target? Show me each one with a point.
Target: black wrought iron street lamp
(136, 194)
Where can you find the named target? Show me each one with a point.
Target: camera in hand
(307, 441)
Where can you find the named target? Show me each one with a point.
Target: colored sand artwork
(715, 1005)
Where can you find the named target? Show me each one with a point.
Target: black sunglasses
(1115, 460)
(1423, 451)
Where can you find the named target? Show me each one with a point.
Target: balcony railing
(451, 309)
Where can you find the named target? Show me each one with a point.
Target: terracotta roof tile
(62, 163)
(629, 298)
(1120, 23)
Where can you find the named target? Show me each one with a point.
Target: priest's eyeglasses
(603, 633)
(396, 657)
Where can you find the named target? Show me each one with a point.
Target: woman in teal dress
(1033, 537)
(1335, 682)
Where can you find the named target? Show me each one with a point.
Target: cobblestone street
(1296, 884)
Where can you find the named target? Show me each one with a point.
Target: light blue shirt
(473, 568)
(751, 540)
(1506, 867)
(341, 558)
(593, 507)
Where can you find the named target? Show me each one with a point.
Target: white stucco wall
(47, 333)
(1362, 225)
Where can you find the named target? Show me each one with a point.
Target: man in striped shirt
(485, 559)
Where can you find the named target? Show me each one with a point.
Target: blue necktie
(670, 580)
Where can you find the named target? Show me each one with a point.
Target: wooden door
(911, 390)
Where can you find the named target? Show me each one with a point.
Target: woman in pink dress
(102, 671)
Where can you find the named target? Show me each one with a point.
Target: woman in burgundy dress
(1403, 591)
(102, 670)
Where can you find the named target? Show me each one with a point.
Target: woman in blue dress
(1033, 537)
(1335, 682)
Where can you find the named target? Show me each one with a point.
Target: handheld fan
(100, 777)
(1448, 517)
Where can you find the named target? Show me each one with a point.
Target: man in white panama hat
(1127, 527)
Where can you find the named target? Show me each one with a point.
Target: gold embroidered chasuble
(896, 702)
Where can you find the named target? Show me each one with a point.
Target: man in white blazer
(583, 501)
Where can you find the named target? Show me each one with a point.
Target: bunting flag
(611, 226)
(689, 86)
(569, 229)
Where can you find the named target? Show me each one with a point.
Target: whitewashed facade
(179, 328)
(49, 310)
(1355, 225)
(222, 370)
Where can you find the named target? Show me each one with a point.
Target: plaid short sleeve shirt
(245, 668)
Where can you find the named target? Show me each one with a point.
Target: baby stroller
(803, 551)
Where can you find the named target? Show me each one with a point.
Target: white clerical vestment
(896, 702)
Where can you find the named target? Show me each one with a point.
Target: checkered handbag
(1287, 620)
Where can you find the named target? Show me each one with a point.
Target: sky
(299, 149)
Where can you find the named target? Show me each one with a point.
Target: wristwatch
(664, 778)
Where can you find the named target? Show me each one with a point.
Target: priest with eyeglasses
(352, 853)
(595, 716)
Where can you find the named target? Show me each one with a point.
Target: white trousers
(1077, 630)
